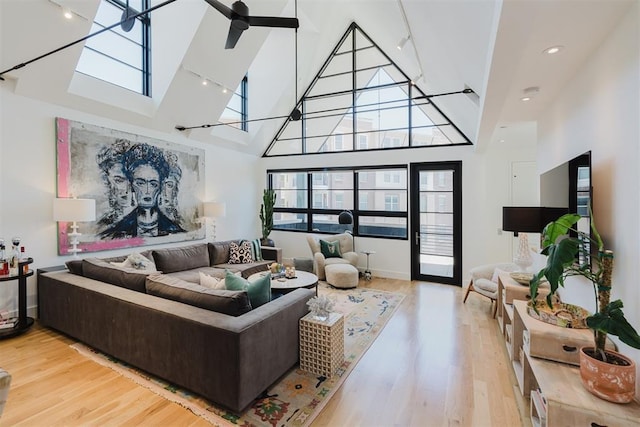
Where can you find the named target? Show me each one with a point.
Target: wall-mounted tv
(569, 186)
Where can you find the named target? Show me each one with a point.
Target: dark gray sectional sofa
(229, 359)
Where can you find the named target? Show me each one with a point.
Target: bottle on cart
(23, 257)
(15, 256)
(4, 262)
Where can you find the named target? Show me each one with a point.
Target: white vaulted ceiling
(493, 47)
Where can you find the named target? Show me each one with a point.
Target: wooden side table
(321, 344)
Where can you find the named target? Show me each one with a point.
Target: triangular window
(360, 100)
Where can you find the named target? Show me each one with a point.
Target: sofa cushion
(246, 270)
(219, 252)
(98, 269)
(137, 261)
(233, 303)
(193, 276)
(259, 290)
(74, 266)
(240, 253)
(182, 258)
(211, 282)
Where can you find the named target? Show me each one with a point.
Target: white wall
(486, 188)
(599, 111)
(28, 177)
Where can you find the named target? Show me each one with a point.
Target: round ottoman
(343, 276)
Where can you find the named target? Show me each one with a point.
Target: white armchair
(319, 260)
(484, 281)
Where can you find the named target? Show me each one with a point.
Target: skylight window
(236, 113)
(117, 56)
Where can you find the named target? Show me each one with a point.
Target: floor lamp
(214, 210)
(346, 217)
(74, 210)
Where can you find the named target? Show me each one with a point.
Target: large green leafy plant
(266, 211)
(561, 251)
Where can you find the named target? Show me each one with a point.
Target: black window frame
(145, 72)
(357, 213)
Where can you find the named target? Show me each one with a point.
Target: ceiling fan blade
(273, 21)
(232, 38)
(226, 11)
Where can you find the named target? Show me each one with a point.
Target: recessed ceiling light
(553, 49)
(67, 13)
(205, 82)
(224, 90)
(525, 99)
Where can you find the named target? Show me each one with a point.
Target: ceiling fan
(241, 20)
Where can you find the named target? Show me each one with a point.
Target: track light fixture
(402, 42)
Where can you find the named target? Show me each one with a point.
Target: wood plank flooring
(436, 363)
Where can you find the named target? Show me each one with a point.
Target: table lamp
(74, 210)
(522, 220)
(214, 210)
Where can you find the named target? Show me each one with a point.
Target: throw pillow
(330, 249)
(256, 251)
(211, 282)
(240, 254)
(136, 261)
(259, 290)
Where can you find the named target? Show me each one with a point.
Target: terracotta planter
(615, 383)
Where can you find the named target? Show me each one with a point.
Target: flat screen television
(569, 186)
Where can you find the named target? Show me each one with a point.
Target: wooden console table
(557, 396)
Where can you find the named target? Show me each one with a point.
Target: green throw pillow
(330, 249)
(259, 290)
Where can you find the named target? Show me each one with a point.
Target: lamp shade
(345, 217)
(215, 209)
(524, 219)
(529, 219)
(74, 210)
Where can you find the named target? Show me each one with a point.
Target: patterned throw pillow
(330, 249)
(240, 254)
(256, 251)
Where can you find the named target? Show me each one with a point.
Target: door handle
(417, 238)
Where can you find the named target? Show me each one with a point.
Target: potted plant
(605, 373)
(266, 216)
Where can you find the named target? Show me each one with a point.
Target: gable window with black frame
(310, 200)
(121, 55)
(361, 100)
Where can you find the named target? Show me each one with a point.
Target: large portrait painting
(147, 191)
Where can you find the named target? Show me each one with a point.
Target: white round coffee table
(303, 279)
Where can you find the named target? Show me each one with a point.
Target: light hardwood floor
(436, 363)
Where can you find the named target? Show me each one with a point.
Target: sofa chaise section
(229, 360)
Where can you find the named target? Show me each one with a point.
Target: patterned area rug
(299, 396)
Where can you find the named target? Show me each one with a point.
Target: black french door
(436, 222)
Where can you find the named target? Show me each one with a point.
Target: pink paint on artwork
(64, 156)
(108, 245)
